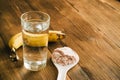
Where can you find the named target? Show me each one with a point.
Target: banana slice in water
(53, 36)
(35, 40)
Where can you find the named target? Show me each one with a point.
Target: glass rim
(21, 17)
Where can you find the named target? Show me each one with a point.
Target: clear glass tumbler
(35, 26)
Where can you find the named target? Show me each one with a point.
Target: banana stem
(14, 56)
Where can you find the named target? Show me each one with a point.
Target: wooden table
(92, 28)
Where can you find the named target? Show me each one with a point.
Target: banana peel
(16, 40)
(55, 36)
(35, 40)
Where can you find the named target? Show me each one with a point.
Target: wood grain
(92, 28)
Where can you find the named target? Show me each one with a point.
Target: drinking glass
(35, 26)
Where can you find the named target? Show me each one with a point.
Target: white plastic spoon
(62, 70)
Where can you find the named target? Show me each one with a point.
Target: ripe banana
(16, 41)
(35, 40)
(55, 35)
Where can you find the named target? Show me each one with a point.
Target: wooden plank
(10, 17)
(66, 21)
(2, 45)
(89, 38)
(107, 17)
(12, 26)
(115, 4)
(4, 60)
(92, 28)
(101, 44)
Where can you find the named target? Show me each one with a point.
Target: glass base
(34, 65)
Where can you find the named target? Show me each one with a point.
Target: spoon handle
(61, 74)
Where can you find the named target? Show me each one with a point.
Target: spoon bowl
(62, 70)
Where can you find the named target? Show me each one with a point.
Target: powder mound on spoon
(63, 56)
